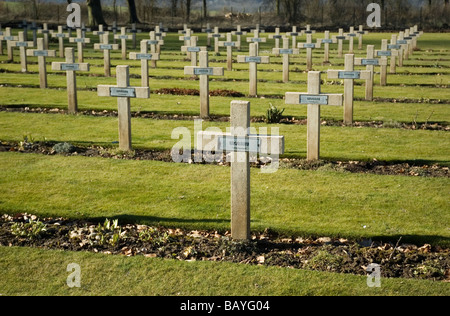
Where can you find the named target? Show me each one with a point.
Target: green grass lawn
(294, 202)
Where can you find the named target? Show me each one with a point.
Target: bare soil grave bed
(265, 248)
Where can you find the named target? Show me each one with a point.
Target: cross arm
(309, 45)
(106, 46)
(127, 92)
(59, 66)
(341, 74)
(38, 52)
(195, 49)
(253, 59)
(254, 40)
(86, 40)
(307, 98)
(139, 56)
(370, 62)
(210, 71)
(288, 51)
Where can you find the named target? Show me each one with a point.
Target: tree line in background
(429, 14)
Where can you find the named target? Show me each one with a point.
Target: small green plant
(108, 233)
(154, 236)
(274, 115)
(64, 148)
(27, 142)
(325, 261)
(30, 230)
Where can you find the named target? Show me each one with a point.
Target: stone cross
(326, 43)
(361, 33)
(186, 37)
(60, 36)
(294, 35)
(133, 32)
(9, 38)
(155, 43)
(238, 33)
(144, 57)
(100, 33)
(370, 62)
(34, 28)
(229, 44)
(253, 60)
(386, 52)
(204, 71)
(216, 35)
(24, 24)
(22, 44)
(106, 47)
(41, 53)
(277, 36)
(208, 30)
(159, 35)
(193, 49)
(409, 39)
(286, 51)
(399, 48)
(123, 92)
(84, 29)
(309, 45)
(45, 31)
(308, 30)
(70, 67)
(123, 44)
(350, 36)
(240, 143)
(349, 75)
(404, 44)
(313, 99)
(256, 39)
(114, 29)
(80, 40)
(340, 40)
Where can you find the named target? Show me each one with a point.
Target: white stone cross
(399, 48)
(349, 75)
(404, 44)
(22, 44)
(240, 143)
(204, 71)
(123, 92)
(155, 43)
(239, 33)
(361, 33)
(60, 36)
(326, 43)
(370, 62)
(286, 51)
(9, 38)
(256, 39)
(114, 29)
(313, 99)
(277, 36)
(144, 57)
(340, 40)
(123, 43)
(193, 49)
(309, 45)
(80, 40)
(70, 67)
(229, 44)
(253, 60)
(186, 37)
(106, 47)
(100, 33)
(387, 52)
(1, 41)
(159, 35)
(45, 31)
(34, 28)
(216, 35)
(208, 30)
(41, 54)
(350, 36)
(133, 32)
(294, 35)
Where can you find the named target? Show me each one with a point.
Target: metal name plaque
(60, 35)
(123, 36)
(341, 37)
(313, 99)
(327, 41)
(122, 92)
(394, 46)
(369, 62)
(144, 56)
(106, 46)
(21, 44)
(79, 40)
(294, 34)
(8, 38)
(70, 67)
(158, 34)
(384, 53)
(203, 71)
(309, 45)
(193, 49)
(256, 40)
(187, 38)
(216, 35)
(239, 33)
(362, 32)
(229, 44)
(402, 42)
(308, 32)
(349, 74)
(286, 51)
(253, 59)
(152, 42)
(238, 144)
(37, 53)
(277, 36)
(408, 38)
(351, 35)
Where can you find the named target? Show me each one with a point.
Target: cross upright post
(253, 60)
(186, 37)
(238, 33)
(294, 35)
(80, 40)
(60, 36)
(106, 47)
(229, 44)
(22, 44)
(370, 62)
(349, 75)
(123, 44)
(286, 51)
(277, 36)
(114, 29)
(216, 35)
(41, 53)
(144, 57)
(45, 31)
(70, 67)
(309, 45)
(340, 39)
(204, 71)
(350, 36)
(326, 43)
(386, 52)
(313, 99)
(208, 30)
(123, 92)
(399, 48)
(100, 33)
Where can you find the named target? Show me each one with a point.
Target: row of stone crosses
(239, 142)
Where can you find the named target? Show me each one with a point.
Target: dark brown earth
(321, 254)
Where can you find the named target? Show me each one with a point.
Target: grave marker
(349, 75)
(70, 67)
(253, 60)
(187, 40)
(326, 43)
(133, 32)
(9, 38)
(193, 49)
(350, 36)
(208, 30)
(100, 33)
(308, 30)
(144, 57)
(159, 35)
(239, 33)
(106, 47)
(204, 71)
(361, 33)
(60, 36)
(41, 53)
(294, 35)
(277, 36)
(286, 52)
(309, 45)
(340, 40)
(123, 44)
(240, 143)
(399, 48)
(229, 44)
(123, 91)
(34, 28)
(370, 62)
(155, 43)
(22, 44)
(216, 35)
(313, 99)
(45, 31)
(256, 39)
(80, 40)
(114, 29)
(386, 52)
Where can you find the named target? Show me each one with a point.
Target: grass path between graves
(33, 272)
(337, 143)
(294, 202)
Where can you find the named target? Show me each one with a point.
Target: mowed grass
(305, 203)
